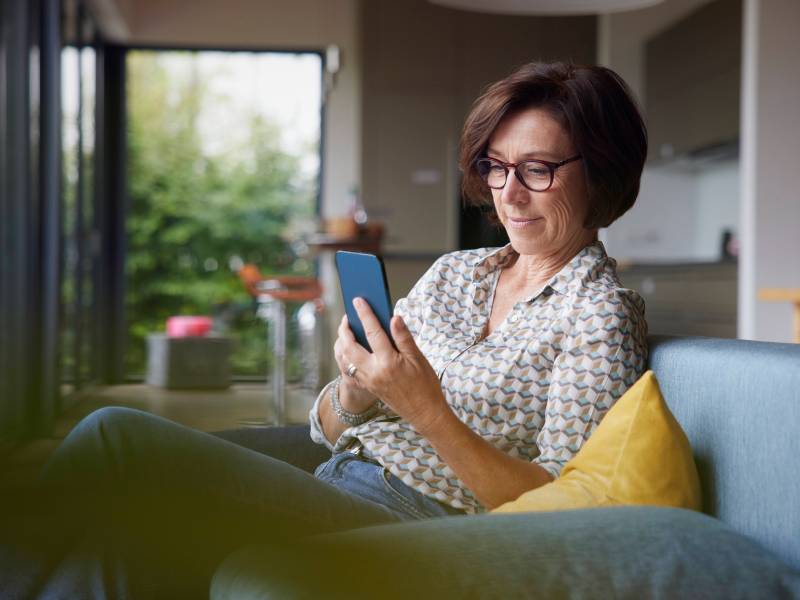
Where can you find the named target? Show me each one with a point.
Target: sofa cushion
(637, 455)
(618, 552)
(739, 404)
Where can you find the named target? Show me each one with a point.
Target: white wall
(660, 226)
(717, 197)
(679, 216)
(770, 255)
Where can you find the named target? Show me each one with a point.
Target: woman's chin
(541, 241)
(527, 244)
(530, 237)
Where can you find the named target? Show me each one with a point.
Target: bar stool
(272, 295)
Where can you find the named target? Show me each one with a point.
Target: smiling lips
(521, 223)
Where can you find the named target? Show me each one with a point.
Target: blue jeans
(369, 480)
(144, 507)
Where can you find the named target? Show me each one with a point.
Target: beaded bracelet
(345, 416)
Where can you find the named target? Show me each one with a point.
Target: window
(223, 170)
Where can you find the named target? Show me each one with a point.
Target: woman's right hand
(354, 399)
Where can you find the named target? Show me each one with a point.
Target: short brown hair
(595, 107)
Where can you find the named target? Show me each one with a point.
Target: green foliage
(194, 213)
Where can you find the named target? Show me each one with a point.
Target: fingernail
(358, 302)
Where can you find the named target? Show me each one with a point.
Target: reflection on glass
(78, 140)
(70, 101)
(87, 228)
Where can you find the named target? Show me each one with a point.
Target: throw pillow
(637, 455)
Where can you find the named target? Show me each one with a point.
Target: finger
(338, 355)
(341, 347)
(349, 346)
(344, 331)
(376, 336)
(350, 349)
(402, 336)
(343, 341)
(344, 363)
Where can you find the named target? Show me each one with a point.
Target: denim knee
(109, 418)
(91, 436)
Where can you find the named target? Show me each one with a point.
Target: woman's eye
(537, 171)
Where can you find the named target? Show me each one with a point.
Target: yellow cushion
(637, 455)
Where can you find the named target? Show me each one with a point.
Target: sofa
(739, 404)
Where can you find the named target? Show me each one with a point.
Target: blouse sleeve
(313, 420)
(411, 309)
(603, 355)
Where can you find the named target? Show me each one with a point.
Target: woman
(506, 361)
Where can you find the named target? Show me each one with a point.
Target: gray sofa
(739, 404)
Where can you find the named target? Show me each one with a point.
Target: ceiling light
(547, 7)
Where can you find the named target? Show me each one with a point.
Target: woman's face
(540, 223)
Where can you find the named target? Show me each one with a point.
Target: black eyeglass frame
(551, 166)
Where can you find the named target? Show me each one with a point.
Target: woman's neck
(535, 270)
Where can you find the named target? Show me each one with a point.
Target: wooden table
(785, 295)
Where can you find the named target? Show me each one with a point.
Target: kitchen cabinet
(692, 81)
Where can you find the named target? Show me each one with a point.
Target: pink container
(188, 326)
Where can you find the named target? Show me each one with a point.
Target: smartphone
(364, 276)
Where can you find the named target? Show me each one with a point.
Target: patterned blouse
(536, 387)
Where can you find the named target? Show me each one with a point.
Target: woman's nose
(513, 191)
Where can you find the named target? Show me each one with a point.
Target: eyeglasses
(536, 175)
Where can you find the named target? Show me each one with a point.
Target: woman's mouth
(522, 223)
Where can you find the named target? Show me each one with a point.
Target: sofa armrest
(621, 552)
(290, 444)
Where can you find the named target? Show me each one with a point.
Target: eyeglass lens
(535, 174)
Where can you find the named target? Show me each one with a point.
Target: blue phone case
(363, 276)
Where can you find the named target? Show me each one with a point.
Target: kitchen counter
(686, 298)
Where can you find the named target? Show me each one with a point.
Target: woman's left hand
(403, 378)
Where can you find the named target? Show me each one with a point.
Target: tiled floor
(203, 410)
